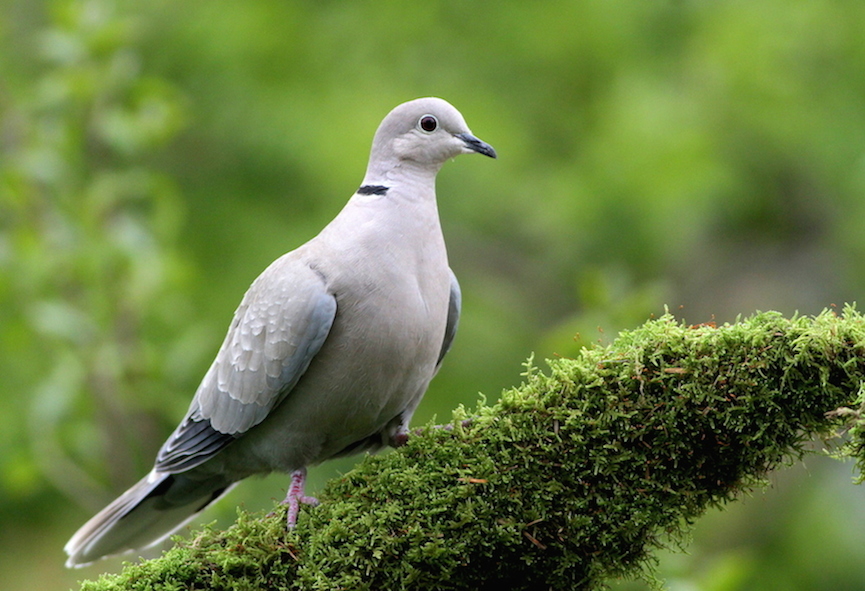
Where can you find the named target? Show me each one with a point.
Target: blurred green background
(155, 157)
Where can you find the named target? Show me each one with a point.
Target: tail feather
(144, 515)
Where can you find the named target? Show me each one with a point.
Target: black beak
(476, 145)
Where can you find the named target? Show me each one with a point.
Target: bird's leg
(399, 438)
(295, 496)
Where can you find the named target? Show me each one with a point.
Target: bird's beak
(476, 145)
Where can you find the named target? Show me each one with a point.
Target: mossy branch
(568, 481)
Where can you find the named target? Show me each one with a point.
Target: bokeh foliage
(155, 157)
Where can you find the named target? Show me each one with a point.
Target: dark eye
(428, 123)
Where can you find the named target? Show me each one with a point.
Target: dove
(329, 352)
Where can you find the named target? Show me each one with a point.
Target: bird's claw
(295, 497)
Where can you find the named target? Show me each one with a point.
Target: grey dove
(329, 352)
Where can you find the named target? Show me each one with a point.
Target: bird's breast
(376, 362)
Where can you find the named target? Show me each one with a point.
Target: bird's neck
(403, 173)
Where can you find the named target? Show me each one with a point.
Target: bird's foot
(449, 427)
(295, 497)
(399, 438)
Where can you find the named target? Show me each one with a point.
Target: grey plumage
(330, 350)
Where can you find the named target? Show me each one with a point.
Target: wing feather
(454, 305)
(277, 330)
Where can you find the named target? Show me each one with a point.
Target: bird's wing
(278, 328)
(454, 305)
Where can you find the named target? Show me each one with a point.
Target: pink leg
(399, 438)
(295, 496)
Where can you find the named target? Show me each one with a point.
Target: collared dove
(329, 352)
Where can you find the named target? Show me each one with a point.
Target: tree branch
(568, 481)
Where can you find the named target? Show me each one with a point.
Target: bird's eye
(428, 123)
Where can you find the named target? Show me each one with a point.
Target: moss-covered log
(568, 481)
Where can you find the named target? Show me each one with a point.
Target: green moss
(568, 481)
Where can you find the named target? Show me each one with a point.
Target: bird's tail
(145, 514)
